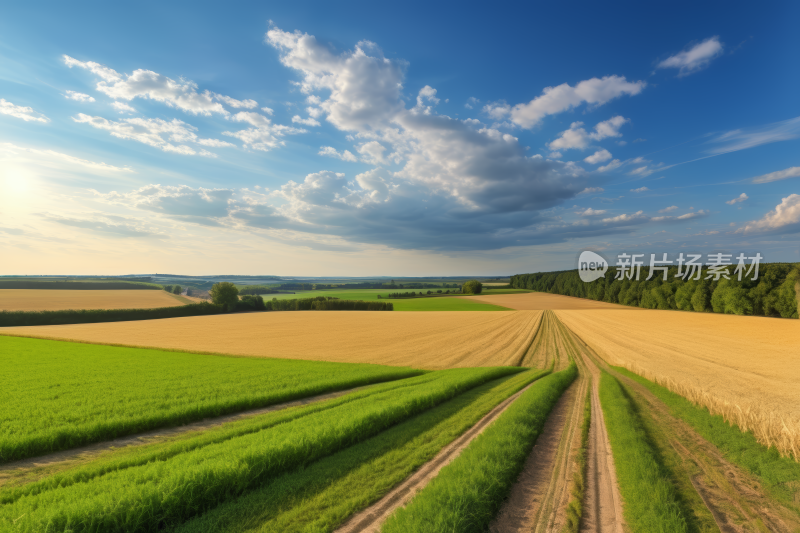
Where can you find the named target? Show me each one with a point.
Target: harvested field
(744, 368)
(429, 340)
(60, 300)
(541, 301)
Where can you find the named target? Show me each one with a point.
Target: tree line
(775, 293)
(77, 285)
(86, 316)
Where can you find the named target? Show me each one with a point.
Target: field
(58, 300)
(438, 303)
(297, 433)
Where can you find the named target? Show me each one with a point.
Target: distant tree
(473, 286)
(177, 289)
(226, 294)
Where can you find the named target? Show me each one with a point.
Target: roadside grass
(468, 492)
(58, 395)
(650, 502)
(780, 475)
(575, 505)
(321, 497)
(160, 494)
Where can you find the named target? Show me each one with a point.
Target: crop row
(468, 492)
(59, 395)
(158, 494)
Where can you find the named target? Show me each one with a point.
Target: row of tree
(226, 295)
(257, 289)
(774, 293)
(412, 294)
(174, 289)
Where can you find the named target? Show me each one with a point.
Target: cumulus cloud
(793, 172)
(616, 163)
(181, 94)
(25, 113)
(589, 212)
(264, 135)
(372, 152)
(179, 202)
(741, 198)
(78, 97)
(681, 218)
(297, 119)
(595, 91)
(598, 157)
(785, 218)
(330, 151)
(640, 189)
(668, 209)
(626, 218)
(592, 190)
(153, 132)
(695, 58)
(122, 107)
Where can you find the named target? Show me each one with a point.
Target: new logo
(591, 266)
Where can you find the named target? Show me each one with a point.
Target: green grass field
(160, 494)
(59, 395)
(439, 303)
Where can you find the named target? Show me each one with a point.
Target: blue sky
(313, 139)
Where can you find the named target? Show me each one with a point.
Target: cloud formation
(25, 113)
(576, 137)
(78, 97)
(695, 58)
(594, 91)
(330, 151)
(741, 198)
(785, 218)
(792, 172)
(740, 139)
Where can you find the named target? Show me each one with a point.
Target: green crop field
(58, 395)
(438, 303)
(149, 496)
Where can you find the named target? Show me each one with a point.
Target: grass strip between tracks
(58, 395)
(650, 502)
(468, 492)
(158, 494)
(575, 505)
(323, 495)
(781, 475)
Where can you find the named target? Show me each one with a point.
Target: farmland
(58, 300)
(454, 434)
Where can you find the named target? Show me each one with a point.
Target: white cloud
(297, 119)
(696, 214)
(427, 95)
(785, 218)
(634, 217)
(122, 107)
(372, 153)
(12, 150)
(25, 113)
(695, 58)
(741, 198)
(595, 91)
(78, 97)
(234, 103)
(181, 202)
(330, 151)
(589, 212)
(592, 190)
(735, 140)
(268, 110)
(598, 157)
(616, 163)
(264, 135)
(182, 94)
(576, 137)
(154, 132)
(640, 189)
(668, 209)
(793, 172)
(472, 102)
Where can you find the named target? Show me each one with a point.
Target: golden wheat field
(743, 367)
(540, 301)
(58, 300)
(430, 340)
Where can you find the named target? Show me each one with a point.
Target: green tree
(177, 289)
(473, 286)
(226, 294)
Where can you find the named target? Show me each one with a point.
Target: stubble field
(60, 300)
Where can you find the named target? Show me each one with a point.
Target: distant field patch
(443, 304)
(59, 300)
(431, 340)
(526, 300)
(59, 395)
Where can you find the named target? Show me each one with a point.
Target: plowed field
(44, 300)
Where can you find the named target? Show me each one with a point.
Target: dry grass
(745, 368)
(431, 340)
(44, 300)
(541, 301)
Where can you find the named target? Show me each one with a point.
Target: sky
(359, 139)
